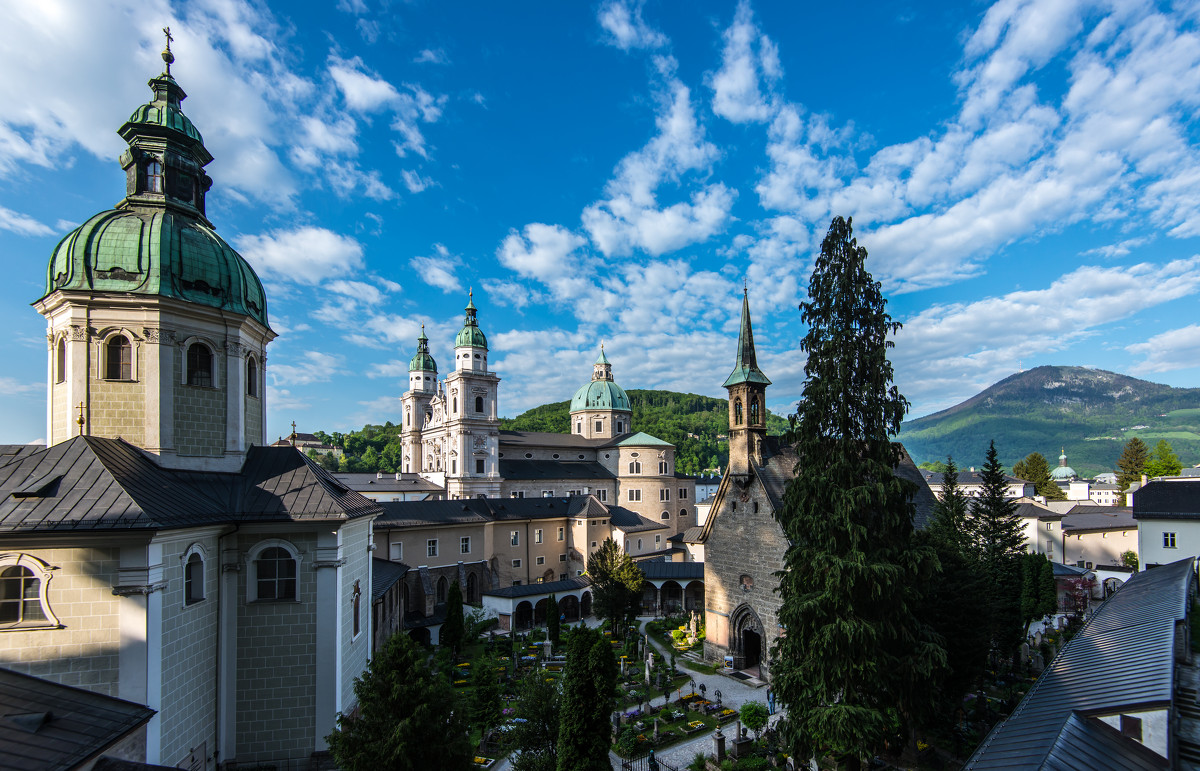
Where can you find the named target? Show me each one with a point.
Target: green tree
(1131, 465)
(855, 649)
(401, 704)
(454, 629)
(536, 740)
(1000, 541)
(484, 706)
(754, 716)
(1047, 590)
(1164, 462)
(328, 462)
(1031, 572)
(1129, 559)
(935, 466)
(1033, 468)
(949, 521)
(552, 619)
(616, 584)
(589, 687)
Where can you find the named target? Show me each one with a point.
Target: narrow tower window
(737, 412)
(199, 365)
(118, 358)
(479, 404)
(754, 411)
(60, 361)
(251, 377)
(154, 177)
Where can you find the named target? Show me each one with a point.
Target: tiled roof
(1123, 657)
(532, 469)
(549, 587)
(631, 522)
(477, 510)
(1168, 499)
(1088, 518)
(45, 725)
(692, 535)
(384, 575)
(1028, 509)
(90, 483)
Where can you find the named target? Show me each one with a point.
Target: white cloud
(371, 294)
(625, 27)
(312, 367)
(736, 92)
(304, 255)
(356, 7)
(1173, 349)
(1119, 249)
(431, 56)
(414, 181)
(22, 224)
(439, 269)
(10, 385)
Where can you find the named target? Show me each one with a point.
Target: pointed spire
(422, 361)
(745, 366)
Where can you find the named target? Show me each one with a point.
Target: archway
(569, 607)
(421, 635)
(746, 638)
(751, 648)
(539, 612)
(693, 596)
(523, 617)
(585, 605)
(472, 589)
(672, 597)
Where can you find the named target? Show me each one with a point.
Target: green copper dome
(470, 335)
(164, 114)
(600, 395)
(156, 253)
(422, 361)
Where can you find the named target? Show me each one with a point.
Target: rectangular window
(635, 495)
(664, 495)
(683, 493)
(1131, 727)
(479, 466)
(602, 494)
(662, 467)
(1049, 526)
(517, 582)
(635, 467)
(516, 563)
(540, 561)
(453, 467)
(547, 493)
(396, 552)
(537, 535)
(517, 494)
(1168, 540)
(562, 576)
(560, 533)
(464, 545)
(593, 544)
(562, 558)
(657, 540)
(599, 426)
(514, 537)
(431, 547)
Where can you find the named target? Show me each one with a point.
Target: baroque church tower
(600, 409)
(747, 386)
(422, 386)
(157, 328)
(472, 421)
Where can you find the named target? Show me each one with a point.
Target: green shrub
(537, 635)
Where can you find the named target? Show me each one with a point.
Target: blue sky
(1025, 176)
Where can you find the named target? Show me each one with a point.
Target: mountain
(689, 421)
(1089, 412)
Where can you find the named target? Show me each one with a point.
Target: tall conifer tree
(1131, 465)
(949, 523)
(854, 648)
(588, 697)
(1000, 541)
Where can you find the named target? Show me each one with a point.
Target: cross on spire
(167, 56)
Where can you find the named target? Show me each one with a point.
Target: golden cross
(80, 420)
(167, 56)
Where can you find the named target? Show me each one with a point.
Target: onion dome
(422, 361)
(470, 335)
(1063, 473)
(158, 241)
(602, 393)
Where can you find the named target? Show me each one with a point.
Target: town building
(1041, 527)
(1096, 537)
(970, 482)
(743, 543)
(1168, 517)
(155, 551)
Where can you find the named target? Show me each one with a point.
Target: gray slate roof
(384, 575)
(548, 439)
(549, 587)
(478, 510)
(1168, 499)
(1088, 743)
(1083, 519)
(631, 522)
(673, 570)
(407, 483)
(45, 725)
(532, 469)
(91, 483)
(1122, 657)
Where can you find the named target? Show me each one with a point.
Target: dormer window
(154, 177)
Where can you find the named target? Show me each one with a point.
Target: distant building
(307, 443)
(970, 482)
(1097, 536)
(1041, 526)
(1168, 517)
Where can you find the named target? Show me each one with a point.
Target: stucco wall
(199, 412)
(1100, 548)
(1150, 540)
(355, 649)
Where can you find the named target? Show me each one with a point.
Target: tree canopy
(1163, 462)
(1034, 469)
(536, 740)
(1132, 464)
(1000, 543)
(855, 648)
(454, 630)
(401, 704)
(589, 687)
(616, 584)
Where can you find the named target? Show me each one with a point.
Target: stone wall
(60, 414)
(276, 662)
(189, 653)
(253, 428)
(118, 408)
(199, 414)
(84, 652)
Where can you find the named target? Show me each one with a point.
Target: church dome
(1062, 472)
(470, 335)
(600, 395)
(422, 360)
(156, 252)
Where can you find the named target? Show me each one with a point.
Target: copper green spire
(422, 361)
(745, 367)
(470, 335)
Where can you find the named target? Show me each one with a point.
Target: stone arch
(585, 605)
(523, 615)
(672, 597)
(472, 589)
(539, 611)
(747, 637)
(568, 605)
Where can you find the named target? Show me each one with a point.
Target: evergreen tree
(402, 703)
(1033, 468)
(1000, 541)
(1131, 465)
(855, 649)
(454, 628)
(484, 706)
(949, 521)
(1164, 462)
(616, 584)
(552, 619)
(1031, 575)
(1047, 590)
(589, 687)
(536, 740)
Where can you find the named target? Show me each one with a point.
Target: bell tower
(422, 386)
(747, 386)
(472, 417)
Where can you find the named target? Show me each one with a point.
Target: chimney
(1144, 480)
(397, 476)
(379, 475)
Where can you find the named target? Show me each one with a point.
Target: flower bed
(694, 727)
(484, 762)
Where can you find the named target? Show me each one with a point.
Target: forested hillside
(696, 425)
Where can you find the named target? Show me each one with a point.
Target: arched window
(357, 609)
(754, 411)
(118, 358)
(479, 404)
(442, 587)
(472, 588)
(665, 515)
(154, 177)
(193, 578)
(275, 574)
(737, 412)
(455, 403)
(60, 361)
(251, 376)
(23, 594)
(635, 467)
(199, 365)
(683, 512)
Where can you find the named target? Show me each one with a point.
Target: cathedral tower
(747, 387)
(472, 420)
(600, 409)
(422, 386)
(157, 328)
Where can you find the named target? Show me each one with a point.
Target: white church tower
(472, 419)
(422, 386)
